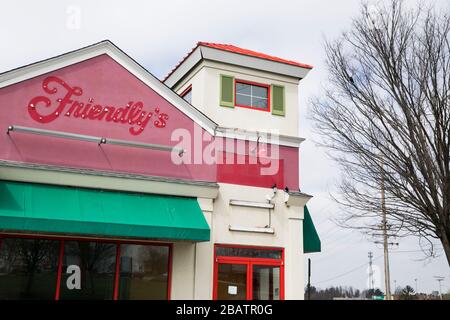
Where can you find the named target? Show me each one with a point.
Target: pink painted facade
(107, 86)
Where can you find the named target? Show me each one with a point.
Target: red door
(242, 276)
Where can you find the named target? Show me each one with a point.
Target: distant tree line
(405, 293)
(333, 292)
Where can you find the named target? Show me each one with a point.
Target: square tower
(241, 89)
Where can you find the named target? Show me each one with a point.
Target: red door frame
(231, 261)
(61, 240)
(58, 277)
(249, 262)
(117, 272)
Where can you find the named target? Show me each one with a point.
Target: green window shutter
(226, 91)
(278, 100)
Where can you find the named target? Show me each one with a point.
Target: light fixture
(269, 197)
(98, 140)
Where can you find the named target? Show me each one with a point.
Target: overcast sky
(159, 33)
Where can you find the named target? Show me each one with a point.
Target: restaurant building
(116, 185)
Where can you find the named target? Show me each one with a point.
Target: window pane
(188, 96)
(266, 282)
(259, 103)
(28, 268)
(144, 271)
(243, 88)
(260, 92)
(251, 95)
(96, 264)
(248, 253)
(232, 282)
(243, 100)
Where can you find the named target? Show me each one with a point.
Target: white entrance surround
(286, 220)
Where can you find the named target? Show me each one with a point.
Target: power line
(328, 235)
(323, 210)
(406, 251)
(364, 264)
(348, 272)
(337, 240)
(335, 251)
(326, 257)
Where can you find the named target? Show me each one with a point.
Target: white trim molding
(298, 199)
(261, 136)
(86, 178)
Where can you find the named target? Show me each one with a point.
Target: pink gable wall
(109, 84)
(106, 83)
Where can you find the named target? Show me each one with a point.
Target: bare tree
(385, 114)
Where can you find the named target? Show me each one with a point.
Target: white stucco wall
(205, 81)
(182, 282)
(286, 222)
(193, 264)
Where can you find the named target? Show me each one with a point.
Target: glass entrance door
(266, 282)
(232, 281)
(248, 274)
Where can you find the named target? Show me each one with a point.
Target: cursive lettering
(65, 102)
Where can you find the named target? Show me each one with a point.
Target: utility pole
(415, 280)
(387, 280)
(371, 281)
(309, 278)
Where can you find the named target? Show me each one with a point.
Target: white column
(294, 264)
(182, 281)
(204, 255)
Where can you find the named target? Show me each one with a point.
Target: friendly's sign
(132, 114)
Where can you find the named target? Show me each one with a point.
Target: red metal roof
(238, 50)
(231, 48)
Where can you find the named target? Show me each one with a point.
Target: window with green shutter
(226, 91)
(278, 100)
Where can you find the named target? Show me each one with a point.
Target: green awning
(311, 240)
(28, 207)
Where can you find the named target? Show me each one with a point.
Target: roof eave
(207, 53)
